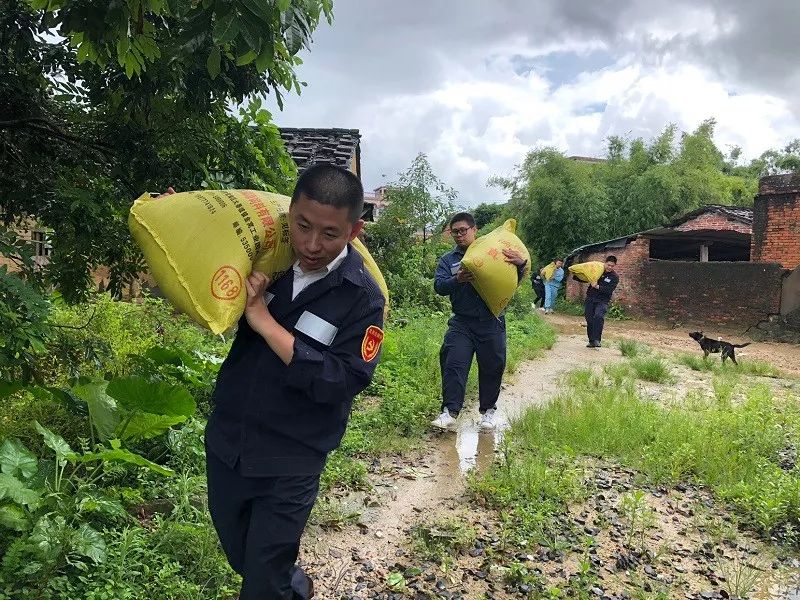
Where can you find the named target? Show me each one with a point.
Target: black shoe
(302, 584)
(590, 345)
(598, 345)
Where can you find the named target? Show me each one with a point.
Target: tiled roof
(309, 145)
(743, 214)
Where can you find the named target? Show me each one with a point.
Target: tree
(102, 101)
(486, 213)
(557, 202)
(563, 204)
(404, 240)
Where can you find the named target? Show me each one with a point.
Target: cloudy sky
(475, 84)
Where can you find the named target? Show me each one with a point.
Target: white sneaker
(543, 309)
(444, 421)
(489, 420)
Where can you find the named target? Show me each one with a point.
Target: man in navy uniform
(472, 330)
(306, 345)
(598, 296)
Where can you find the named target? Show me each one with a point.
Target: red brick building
(718, 264)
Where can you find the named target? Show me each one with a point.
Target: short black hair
(611, 258)
(331, 185)
(463, 216)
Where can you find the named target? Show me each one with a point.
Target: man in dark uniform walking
(472, 330)
(537, 282)
(303, 350)
(598, 296)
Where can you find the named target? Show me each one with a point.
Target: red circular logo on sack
(226, 283)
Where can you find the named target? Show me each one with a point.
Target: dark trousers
(595, 312)
(539, 291)
(465, 338)
(259, 521)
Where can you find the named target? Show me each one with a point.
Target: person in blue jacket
(472, 330)
(552, 285)
(307, 344)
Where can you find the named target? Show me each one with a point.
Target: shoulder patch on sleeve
(371, 344)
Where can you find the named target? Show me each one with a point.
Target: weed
(754, 368)
(651, 368)
(632, 349)
(640, 518)
(740, 577)
(618, 373)
(330, 513)
(443, 538)
(724, 386)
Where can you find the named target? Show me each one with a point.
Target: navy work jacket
(277, 419)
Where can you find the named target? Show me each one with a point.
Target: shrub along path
(589, 495)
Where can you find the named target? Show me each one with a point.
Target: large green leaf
(96, 502)
(119, 454)
(13, 489)
(48, 536)
(102, 407)
(226, 27)
(213, 62)
(148, 425)
(55, 442)
(16, 459)
(158, 398)
(13, 517)
(89, 542)
(165, 356)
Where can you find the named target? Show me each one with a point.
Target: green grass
(651, 368)
(732, 448)
(712, 364)
(438, 539)
(632, 349)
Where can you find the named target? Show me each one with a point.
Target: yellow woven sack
(588, 272)
(549, 271)
(200, 247)
(495, 279)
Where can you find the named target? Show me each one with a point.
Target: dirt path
(785, 357)
(345, 563)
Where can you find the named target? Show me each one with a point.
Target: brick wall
(776, 221)
(717, 222)
(740, 294)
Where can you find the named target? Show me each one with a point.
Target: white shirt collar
(331, 266)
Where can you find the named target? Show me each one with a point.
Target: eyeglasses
(460, 231)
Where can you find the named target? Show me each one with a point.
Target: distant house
(375, 203)
(717, 264)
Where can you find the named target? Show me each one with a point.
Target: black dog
(710, 346)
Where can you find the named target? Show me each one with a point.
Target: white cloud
(476, 89)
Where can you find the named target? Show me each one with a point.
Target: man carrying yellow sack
(598, 296)
(472, 330)
(307, 344)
